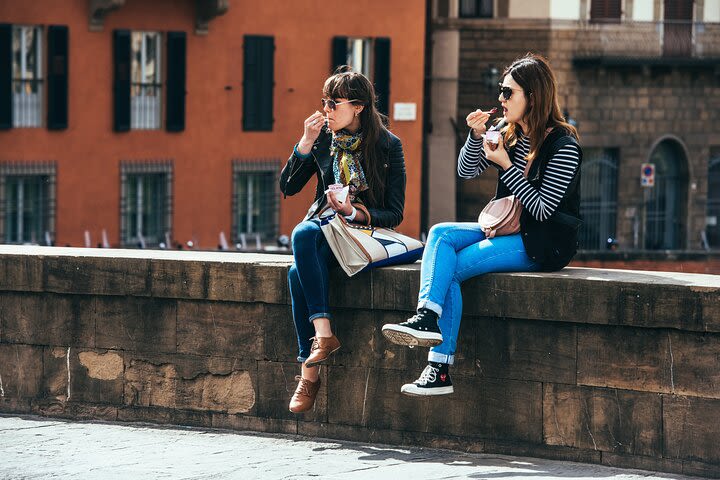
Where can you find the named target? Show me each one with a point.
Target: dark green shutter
(6, 114)
(339, 52)
(258, 83)
(121, 80)
(175, 96)
(382, 74)
(57, 114)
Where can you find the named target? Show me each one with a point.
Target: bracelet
(351, 217)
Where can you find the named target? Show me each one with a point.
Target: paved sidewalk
(39, 448)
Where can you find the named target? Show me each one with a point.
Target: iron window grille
(598, 202)
(146, 203)
(255, 204)
(146, 80)
(27, 203)
(27, 76)
(713, 200)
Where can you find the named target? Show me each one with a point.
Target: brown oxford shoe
(304, 397)
(321, 349)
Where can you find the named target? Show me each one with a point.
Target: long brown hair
(533, 73)
(345, 83)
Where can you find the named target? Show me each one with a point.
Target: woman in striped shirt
(538, 160)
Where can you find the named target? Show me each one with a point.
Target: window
(258, 83)
(27, 203)
(713, 201)
(145, 104)
(598, 203)
(605, 11)
(255, 201)
(371, 57)
(27, 76)
(476, 8)
(677, 28)
(146, 204)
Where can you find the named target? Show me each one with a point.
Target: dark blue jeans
(309, 281)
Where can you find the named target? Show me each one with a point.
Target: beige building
(641, 78)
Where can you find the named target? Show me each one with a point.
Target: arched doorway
(666, 202)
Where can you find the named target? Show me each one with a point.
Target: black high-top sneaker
(434, 380)
(421, 330)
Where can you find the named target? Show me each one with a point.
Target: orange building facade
(169, 121)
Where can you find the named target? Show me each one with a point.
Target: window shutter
(121, 80)
(382, 74)
(176, 75)
(57, 114)
(605, 10)
(339, 52)
(6, 114)
(258, 83)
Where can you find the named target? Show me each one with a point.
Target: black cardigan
(554, 242)
(297, 172)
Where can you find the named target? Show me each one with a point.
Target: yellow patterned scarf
(346, 152)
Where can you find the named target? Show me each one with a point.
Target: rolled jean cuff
(430, 305)
(441, 358)
(301, 359)
(319, 315)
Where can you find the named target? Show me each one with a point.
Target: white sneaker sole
(409, 337)
(414, 391)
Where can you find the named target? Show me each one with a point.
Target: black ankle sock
(442, 367)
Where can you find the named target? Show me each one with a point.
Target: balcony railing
(671, 40)
(27, 103)
(145, 106)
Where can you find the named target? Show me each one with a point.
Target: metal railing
(671, 38)
(27, 103)
(145, 106)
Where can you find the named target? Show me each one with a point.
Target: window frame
(46, 169)
(132, 169)
(141, 104)
(24, 116)
(610, 157)
(478, 7)
(242, 167)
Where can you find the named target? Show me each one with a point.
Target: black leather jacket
(297, 172)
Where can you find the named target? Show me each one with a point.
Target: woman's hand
(343, 208)
(476, 121)
(312, 128)
(496, 153)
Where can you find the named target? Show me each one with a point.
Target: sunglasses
(506, 91)
(332, 104)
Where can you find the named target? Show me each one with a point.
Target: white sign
(405, 112)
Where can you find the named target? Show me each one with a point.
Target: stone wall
(616, 368)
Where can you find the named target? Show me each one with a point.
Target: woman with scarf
(347, 143)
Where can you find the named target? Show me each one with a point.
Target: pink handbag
(501, 216)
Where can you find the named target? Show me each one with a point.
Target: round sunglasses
(506, 91)
(332, 104)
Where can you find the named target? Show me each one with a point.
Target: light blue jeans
(455, 252)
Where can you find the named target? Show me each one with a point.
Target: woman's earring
(357, 113)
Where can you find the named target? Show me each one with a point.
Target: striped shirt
(540, 203)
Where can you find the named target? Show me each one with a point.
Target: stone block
(210, 384)
(221, 328)
(21, 273)
(165, 416)
(21, 371)
(248, 282)
(619, 460)
(74, 411)
(691, 429)
(81, 375)
(136, 324)
(663, 361)
(178, 279)
(524, 349)
(608, 420)
(97, 275)
(276, 385)
(255, 424)
(47, 319)
(350, 292)
(396, 288)
(279, 338)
